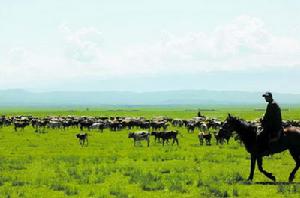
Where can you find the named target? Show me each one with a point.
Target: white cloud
(243, 44)
(83, 45)
(23, 66)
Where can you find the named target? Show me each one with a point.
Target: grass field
(53, 164)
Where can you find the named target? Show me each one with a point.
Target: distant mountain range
(18, 97)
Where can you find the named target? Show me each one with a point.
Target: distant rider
(199, 114)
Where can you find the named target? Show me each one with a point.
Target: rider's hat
(267, 94)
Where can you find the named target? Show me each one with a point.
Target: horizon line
(140, 92)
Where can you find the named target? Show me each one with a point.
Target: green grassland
(53, 164)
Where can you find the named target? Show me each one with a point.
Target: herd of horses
(155, 125)
(248, 133)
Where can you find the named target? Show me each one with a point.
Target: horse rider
(199, 114)
(272, 121)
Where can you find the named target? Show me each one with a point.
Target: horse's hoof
(291, 179)
(273, 178)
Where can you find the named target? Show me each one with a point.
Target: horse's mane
(244, 123)
(246, 131)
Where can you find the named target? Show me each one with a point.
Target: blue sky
(143, 45)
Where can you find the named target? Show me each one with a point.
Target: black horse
(255, 144)
(222, 135)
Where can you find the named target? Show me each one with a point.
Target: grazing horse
(40, 125)
(21, 125)
(114, 126)
(158, 125)
(165, 136)
(83, 137)
(2, 119)
(190, 127)
(255, 144)
(206, 136)
(85, 124)
(223, 135)
(98, 125)
(138, 136)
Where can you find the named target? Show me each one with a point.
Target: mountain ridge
(20, 97)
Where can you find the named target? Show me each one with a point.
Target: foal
(82, 138)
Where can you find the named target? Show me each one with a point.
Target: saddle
(272, 143)
(277, 146)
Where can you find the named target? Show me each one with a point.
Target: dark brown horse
(255, 144)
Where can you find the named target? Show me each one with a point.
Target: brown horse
(255, 144)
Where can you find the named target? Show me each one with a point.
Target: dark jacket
(272, 120)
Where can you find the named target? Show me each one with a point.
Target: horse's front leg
(253, 161)
(260, 164)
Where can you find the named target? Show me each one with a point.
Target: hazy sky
(150, 45)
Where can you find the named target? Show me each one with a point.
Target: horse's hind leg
(296, 157)
(260, 164)
(148, 141)
(292, 175)
(200, 141)
(253, 160)
(175, 140)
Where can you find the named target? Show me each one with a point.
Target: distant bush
(116, 191)
(151, 182)
(67, 189)
(218, 193)
(234, 178)
(18, 183)
(288, 189)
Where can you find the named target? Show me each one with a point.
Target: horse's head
(130, 134)
(233, 123)
(245, 130)
(230, 118)
(230, 123)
